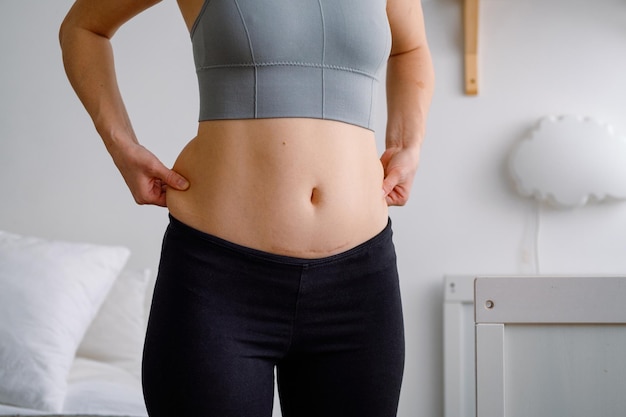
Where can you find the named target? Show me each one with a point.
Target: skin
(300, 187)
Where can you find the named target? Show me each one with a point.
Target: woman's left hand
(400, 165)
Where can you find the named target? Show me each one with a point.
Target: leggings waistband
(181, 229)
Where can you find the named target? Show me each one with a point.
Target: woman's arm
(410, 82)
(88, 58)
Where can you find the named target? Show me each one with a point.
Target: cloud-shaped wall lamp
(569, 161)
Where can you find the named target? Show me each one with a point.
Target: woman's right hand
(146, 176)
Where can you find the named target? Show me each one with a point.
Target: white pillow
(97, 388)
(49, 294)
(117, 332)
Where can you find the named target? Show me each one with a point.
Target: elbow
(65, 31)
(62, 33)
(74, 28)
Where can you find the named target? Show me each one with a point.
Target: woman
(279, 252)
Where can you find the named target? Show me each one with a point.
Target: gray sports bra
(290, 58)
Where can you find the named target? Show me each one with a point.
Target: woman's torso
(303, 187)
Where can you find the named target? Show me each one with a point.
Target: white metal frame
(459, 388)
(533, 300)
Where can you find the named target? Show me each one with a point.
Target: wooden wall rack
(470, 26)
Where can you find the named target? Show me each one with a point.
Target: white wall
(537, 57)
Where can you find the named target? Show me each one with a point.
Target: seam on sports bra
(245, 27)
(288, 64)
(323, 57)
(372, 91)
(198, 18)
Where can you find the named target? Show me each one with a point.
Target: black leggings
(224, 316)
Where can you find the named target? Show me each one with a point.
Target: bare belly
(298, 187)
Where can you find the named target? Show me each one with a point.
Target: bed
(72, 323)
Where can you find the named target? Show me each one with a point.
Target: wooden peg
(470, 25)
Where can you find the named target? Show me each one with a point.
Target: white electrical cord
(537, 230)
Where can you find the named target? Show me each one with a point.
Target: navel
(315, 196)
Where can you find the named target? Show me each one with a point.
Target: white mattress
(95, 388)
